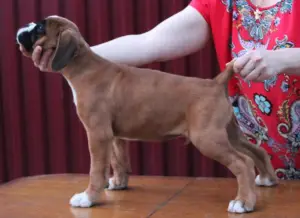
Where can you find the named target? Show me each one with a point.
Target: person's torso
(268, 112)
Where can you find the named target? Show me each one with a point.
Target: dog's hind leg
(242, 166)
(216, 146)
(208, 133)
(260, 157)
(120, 163)
(262, 161)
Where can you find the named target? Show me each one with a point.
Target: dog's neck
(84, 61)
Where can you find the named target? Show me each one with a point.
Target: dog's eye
(40, 29)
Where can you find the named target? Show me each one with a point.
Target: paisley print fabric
(268, 112)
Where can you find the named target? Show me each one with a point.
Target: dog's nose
(24, 36)
(24, 39)
(26, 28)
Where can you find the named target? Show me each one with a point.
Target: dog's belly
(164, 138)
(150, 132)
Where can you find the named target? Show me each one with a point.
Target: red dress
(268, 112)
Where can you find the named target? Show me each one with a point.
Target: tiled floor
(157, 197)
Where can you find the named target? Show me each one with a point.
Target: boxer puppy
(116, 102)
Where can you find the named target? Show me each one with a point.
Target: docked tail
(225, 76)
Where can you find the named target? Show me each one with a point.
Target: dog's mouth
(29, 34)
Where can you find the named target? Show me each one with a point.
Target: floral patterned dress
(268, 112)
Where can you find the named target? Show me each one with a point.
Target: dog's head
(54, 32)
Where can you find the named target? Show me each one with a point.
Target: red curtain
(39, 129)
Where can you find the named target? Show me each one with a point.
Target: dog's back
(162, 101)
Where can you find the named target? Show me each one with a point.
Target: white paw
(264, 181)
(80, 200)
(113, 186)
(237, 206)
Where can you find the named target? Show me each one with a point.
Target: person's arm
(180, 35)
(291, 60)
(177, 36)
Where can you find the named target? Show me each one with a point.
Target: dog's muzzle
(29, 34)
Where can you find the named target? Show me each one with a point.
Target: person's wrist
(282, 60)
(289, 60)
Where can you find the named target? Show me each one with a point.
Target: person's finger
(23, 51)
(263, 75)
(230, 62)
(240, 63)
(247, 69)
(36, 56)
(253, 75)
(260, 73)
(44, 62)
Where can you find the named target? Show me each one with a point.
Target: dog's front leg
(99, 148)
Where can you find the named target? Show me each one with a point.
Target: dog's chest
(73, 92)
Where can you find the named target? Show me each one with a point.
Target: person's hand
(24, 52)
(258, 65)
(40, 59)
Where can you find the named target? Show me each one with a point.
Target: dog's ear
(65, 49)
